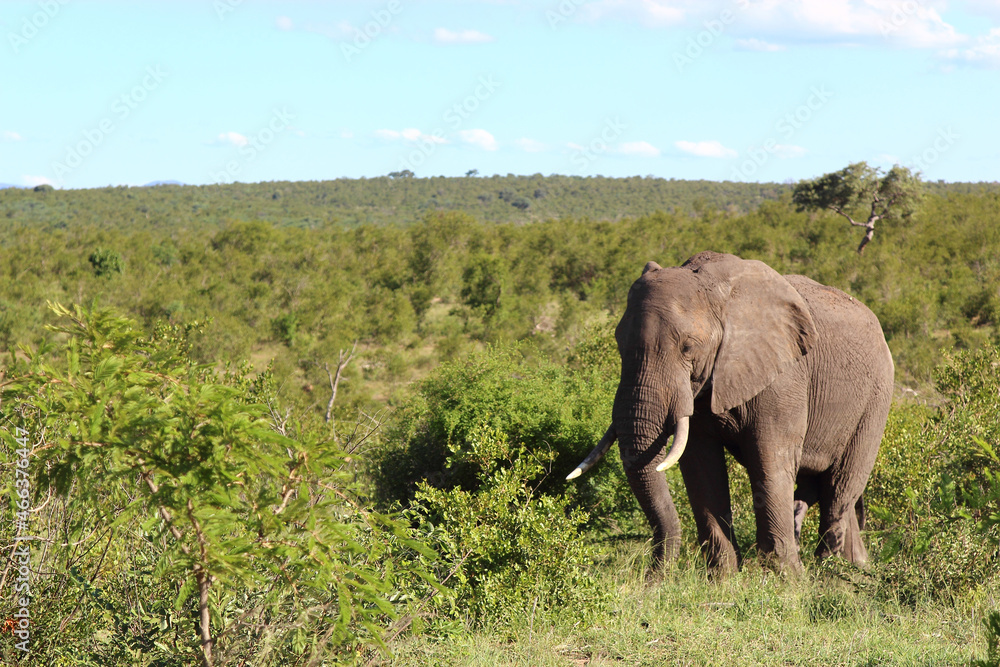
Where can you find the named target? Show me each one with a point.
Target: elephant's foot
(655, 574)
(844, 543)
(785, 562)
(666, 551)
(722, 559)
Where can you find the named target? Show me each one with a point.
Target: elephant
(792, 377)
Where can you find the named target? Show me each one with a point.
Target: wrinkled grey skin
(792, 377)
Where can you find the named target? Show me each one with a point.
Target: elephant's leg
(772, 460)
(840, 527)
(651, 490)
(773, 495)
(841, 506)
(707, 482)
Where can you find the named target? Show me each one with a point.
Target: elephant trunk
(644, 418)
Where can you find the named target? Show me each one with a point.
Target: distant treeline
(279, 283)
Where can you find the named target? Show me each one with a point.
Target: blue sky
(124, 93)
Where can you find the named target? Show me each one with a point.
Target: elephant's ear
(767, 326)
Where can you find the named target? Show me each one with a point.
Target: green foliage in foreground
(185, 512)
(513, 549)
(935, 494)
(184, 523)
(553, 413)
(479, 458)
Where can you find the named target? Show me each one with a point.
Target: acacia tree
(858, 189)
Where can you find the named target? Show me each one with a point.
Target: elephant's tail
(859, 510)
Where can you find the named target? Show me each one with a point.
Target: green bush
(513, 552)
(539, 406)
(189, 520)
(934, 496)
(106, 263)
(285, 327)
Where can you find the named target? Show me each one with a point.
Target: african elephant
(792, 377)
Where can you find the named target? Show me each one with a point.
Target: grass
(752, 618)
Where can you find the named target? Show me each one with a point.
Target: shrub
(934, 496)
(188, 524)
(285, 327)
(480, 457)
(106, 263)
(513, 552)
(541, 407)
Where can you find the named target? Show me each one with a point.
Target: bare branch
(335, 378)
(838, 210)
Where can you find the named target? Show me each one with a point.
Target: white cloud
(234, 138)
(754, 44)
(480, 138)
(284, 23)
(8, 135)
(984, 52)
(32, 181)
(346, 134)
(910, 24)
(651, 13)
(769, 24)
(706, 149)
(530, 145)
(411, 134)
(445, 36)
(640, 148)
(990, 8)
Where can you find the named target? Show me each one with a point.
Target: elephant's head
(718, 326)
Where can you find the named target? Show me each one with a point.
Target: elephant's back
(846, 326)
(850, 369)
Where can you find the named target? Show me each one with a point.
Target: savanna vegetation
(324, 423)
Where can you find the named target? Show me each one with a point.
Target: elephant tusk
(677, 449)
(595, 454)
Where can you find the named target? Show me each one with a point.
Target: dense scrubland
(311, 423)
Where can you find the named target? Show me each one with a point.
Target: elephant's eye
(687, 347)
